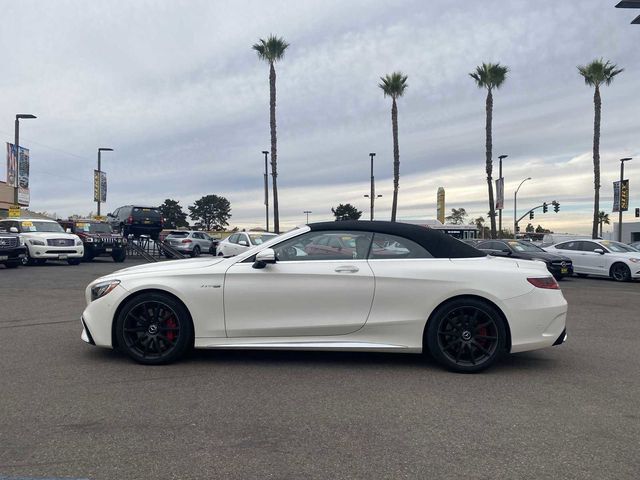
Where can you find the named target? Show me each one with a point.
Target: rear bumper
(561, 339)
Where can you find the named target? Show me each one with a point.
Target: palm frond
(272, 49)
(490, 75)
(599, 72)
(394, 85)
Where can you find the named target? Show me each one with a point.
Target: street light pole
(515, 207)
(307, 212)
(622, 160)
(501, 157)
(266, 188)
(17, 150)
(100, 150)
(372, 193)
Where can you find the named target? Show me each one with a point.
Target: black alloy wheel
(154, 329)
(620, 272)
(466, 335)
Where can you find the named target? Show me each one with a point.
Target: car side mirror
(13, 230)
(243, 243)
(68, 230)
(264, 257)
(506, 251)
(598, 250)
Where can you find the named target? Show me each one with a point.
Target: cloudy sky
(175, 89)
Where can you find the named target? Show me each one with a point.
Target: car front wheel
(466, 335)
(620, 272)
(154, 328)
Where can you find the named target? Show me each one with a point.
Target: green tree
(595, 74)
(457, 216)
(490, 76)
(539, 229)
(394, 86)
(479, 224)
(602, 219)
(530, 228)
(346, 212)
(211, 212)
(271, 51)
(173, 215)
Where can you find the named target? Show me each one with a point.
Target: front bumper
(557, 270)
(13, 254)
(55, 253)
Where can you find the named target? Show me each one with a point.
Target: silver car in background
(190, 242)
(242, 241)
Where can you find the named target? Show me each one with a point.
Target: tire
(582, 275)
(620, 272)
(196, 251)
(73, 261)
(13, 264)
(27, 260)
(220, 254)
(88, 255)
(466, 335)
(154, 329)
(119, 256)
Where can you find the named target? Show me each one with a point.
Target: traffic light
(531, 215)
(544, 207)
(556, 207)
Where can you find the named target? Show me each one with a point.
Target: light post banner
(621, 197)
(500, 194)
(99, 186)
(616, 196)
(23, 176)
(12, 166)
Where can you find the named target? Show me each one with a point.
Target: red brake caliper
(170, 323)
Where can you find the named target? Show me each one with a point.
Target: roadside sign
(100, 218)
(14, 211)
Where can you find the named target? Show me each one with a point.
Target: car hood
(166, 267)
(49, 235)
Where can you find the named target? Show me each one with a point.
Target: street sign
(14, 211)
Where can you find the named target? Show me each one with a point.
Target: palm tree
(603, 218)
(393, 86)
(490, 76)
(595, 74)
(271, 50)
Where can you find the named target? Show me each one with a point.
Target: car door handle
(347, 269)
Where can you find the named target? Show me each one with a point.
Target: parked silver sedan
(191, 242)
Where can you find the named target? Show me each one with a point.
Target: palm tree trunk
(274, 146)
(396, 159)
(596, 160)
(489, 162)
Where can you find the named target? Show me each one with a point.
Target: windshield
(618, 247)
(524, 247)
(40, 226)
(92, 227)
(260, 238)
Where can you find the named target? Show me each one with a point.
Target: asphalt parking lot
(71, 410)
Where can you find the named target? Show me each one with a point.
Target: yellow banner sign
(14, 212)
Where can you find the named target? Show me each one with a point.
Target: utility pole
(266, 187)
(515, 208)
(307, 212)
(501, 157)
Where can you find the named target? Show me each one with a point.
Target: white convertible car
(352, 285)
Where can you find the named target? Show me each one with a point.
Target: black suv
(12, 252)
(98, 239)
(136, 221)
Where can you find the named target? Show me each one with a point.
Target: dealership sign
(18, 172)
(99, 186)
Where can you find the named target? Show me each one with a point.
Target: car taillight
(130, 219)
(544, 282)
(186, 241)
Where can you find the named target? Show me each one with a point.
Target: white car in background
(604, 258)
(430, 292)
(239, 242)
(46, 240)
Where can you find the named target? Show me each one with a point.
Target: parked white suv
(601, 257)
(46, 240)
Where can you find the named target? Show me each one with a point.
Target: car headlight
(37, 242)
(21, 241)
(101, 289)
(634, 260)
(78, 241)
(88, 240)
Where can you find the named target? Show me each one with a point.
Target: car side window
(568, 246)
(325, 245)
(234, 238)
(589, 246)
(387, 246)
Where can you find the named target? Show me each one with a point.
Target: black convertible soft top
(437, 243)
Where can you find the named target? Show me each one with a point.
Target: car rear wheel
(620, 272)
(466, 335)
(154, 329)
(196, 251)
